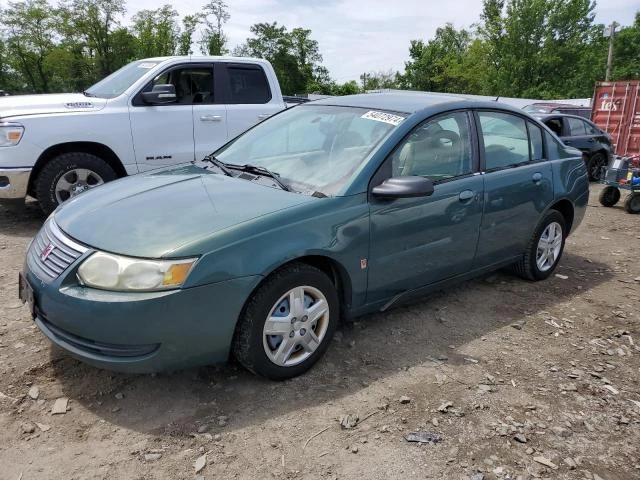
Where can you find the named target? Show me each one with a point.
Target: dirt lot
(519, 380)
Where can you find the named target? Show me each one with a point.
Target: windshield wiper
(222, 166)
(263, 171)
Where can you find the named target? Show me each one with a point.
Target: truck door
(164, 134)
(249, 97)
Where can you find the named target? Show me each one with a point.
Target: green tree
(157, 32)
(189, 25)
(30, 37)
(213, 38)
(626, 53)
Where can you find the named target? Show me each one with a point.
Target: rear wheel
(68, 175)
(545, 248)
(287, 323)
(595, 165)
(632, 203)
(609, 196)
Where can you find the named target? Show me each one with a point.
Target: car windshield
(116, 83)
(313, 148)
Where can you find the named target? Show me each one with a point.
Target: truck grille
(52, 251)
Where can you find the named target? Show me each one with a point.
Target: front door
(164, 134)
(518, 185)
(419, 241)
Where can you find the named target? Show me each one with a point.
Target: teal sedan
(326, 211)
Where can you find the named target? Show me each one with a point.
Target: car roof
(556, 105)
(409, 101)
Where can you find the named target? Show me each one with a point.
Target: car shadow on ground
(19, 219)
(370, 349)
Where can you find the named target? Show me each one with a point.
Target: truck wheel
(609, 196)
(594, 166)
(632, 203)
(68, 175)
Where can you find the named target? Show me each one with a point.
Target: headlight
(10, 134)
(113, 272)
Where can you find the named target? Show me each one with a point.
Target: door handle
(568, 142)
(537, 177)
(262, 116)
(211, 118)
(590, 140)
(466, 195)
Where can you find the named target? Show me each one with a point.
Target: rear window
(248, 84)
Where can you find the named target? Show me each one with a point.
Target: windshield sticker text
(383, 117)
(147, 65)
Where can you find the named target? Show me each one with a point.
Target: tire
(632, 203)
(595, 164)
(50, 179)
(259, 352)
(528, 267)
(609, 196)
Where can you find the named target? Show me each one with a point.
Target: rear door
(577, 135)
(518, 184)
(248, 96)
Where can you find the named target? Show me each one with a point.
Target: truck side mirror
(160, 95)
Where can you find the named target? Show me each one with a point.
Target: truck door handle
(211, 118)
(466, 195)
(568, 142)
(537, 177)
(262, 116)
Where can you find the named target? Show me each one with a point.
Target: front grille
(52, 251)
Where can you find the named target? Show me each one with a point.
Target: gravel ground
(512, 380)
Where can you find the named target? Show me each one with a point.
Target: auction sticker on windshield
(383, 117)
(147, 65)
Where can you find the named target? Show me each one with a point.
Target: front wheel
(545, 248)
(287, 323)
(68, 175)
(632, 203)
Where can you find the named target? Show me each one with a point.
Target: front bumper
(139, 332)
(14, 182)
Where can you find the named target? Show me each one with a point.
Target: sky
(357, 36)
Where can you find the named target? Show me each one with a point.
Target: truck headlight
(10, 134)
(114, 272)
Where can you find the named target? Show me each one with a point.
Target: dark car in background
(584, 135)
(550, 107)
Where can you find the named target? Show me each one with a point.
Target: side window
(535, 142)
(576, 126)
(505, 139)
(438, 149)
(194, 85)
(248, 85)
(591, 129)
(555, 124)
(553, 146)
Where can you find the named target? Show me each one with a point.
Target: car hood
(15, 105)
(153, 215)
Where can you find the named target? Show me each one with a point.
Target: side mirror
(160, 95)
(404, 187)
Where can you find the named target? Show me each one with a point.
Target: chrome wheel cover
(296, 326)
(74, 182)
(549, 246)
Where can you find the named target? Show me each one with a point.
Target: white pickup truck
(150, 113)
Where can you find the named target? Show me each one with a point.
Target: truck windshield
(116, 83)
(313, 148)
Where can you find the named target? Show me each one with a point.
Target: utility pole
(610, 32)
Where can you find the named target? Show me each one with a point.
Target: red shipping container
(616, 110)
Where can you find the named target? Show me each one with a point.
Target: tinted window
(437, 149)
(535, 142)
(591, 129)
(193, 85)
(505, 139)
(248, 85)
(576, 126)
(553, 146)
(555, 124)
